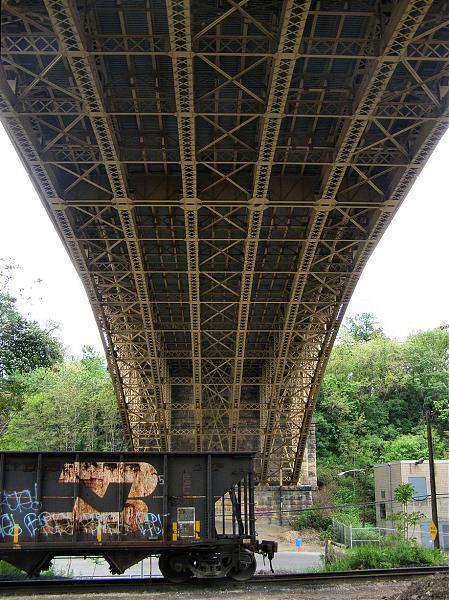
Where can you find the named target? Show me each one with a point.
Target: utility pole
(365, 483)
(433, 493)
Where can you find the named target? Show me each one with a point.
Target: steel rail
(114, 584)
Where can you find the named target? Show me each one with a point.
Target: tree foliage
(372, 403)
(374, 396)
(361, 328)
(405, 520)
(24, 347)
(69, 407)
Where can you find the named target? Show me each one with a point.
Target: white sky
(405, 283)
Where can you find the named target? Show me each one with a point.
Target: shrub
(314, 518)
(8, 570)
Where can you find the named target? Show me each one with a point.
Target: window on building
(382, 494)
(383, 510)
(419, 487)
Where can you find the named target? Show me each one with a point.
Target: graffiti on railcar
(48, 523)
(106, 498)
(100, 490)
(19, 501)
(8, 526)
(150, 524)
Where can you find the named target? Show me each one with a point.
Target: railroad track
(114, 585)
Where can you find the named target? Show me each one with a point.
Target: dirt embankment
(434, 587)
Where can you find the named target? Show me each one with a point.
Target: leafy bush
(314, 518)
(374, 556)
(8, 570)
(350, 516)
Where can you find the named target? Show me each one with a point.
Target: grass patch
(385, 557)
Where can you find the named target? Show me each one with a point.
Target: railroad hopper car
(194, 511)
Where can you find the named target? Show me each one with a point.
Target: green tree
(403, 494)
(69, 407)
(426, 363)
(24, 345)
(404, 520)
(406, 447)
(362, 327)
(372, 402)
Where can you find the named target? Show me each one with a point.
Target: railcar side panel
(85, 499)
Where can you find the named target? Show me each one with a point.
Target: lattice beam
(68, 30)
(178, 12)
(402, 27)
(293, 23)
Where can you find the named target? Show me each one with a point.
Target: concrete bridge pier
(280, 504)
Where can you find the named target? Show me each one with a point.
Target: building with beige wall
(388, 476)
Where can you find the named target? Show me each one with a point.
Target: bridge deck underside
(220, 171)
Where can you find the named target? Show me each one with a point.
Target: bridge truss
(219, 172)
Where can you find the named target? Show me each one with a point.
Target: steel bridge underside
(219, 172)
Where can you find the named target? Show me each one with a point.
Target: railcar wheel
(245, 567)
(174, 569)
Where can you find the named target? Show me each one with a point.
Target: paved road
(286, 562)
(293, 562)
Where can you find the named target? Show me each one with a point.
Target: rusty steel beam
(69, 32)
(402, 27)
(178, 12)
(293, 23)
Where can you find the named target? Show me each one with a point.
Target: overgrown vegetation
(371, 405)
(8, 570)
(68, 407)
(373, 556)
(313, 519)
(47, 403)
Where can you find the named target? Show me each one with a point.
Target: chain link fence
(351, 536)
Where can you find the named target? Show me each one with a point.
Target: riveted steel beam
(404, 23)
(68, 30)
(293, 23)
(179, 20)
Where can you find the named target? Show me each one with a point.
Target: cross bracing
(220, 172)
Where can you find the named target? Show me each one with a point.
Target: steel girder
(220, 173)
(403, 24)
(69, 33)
